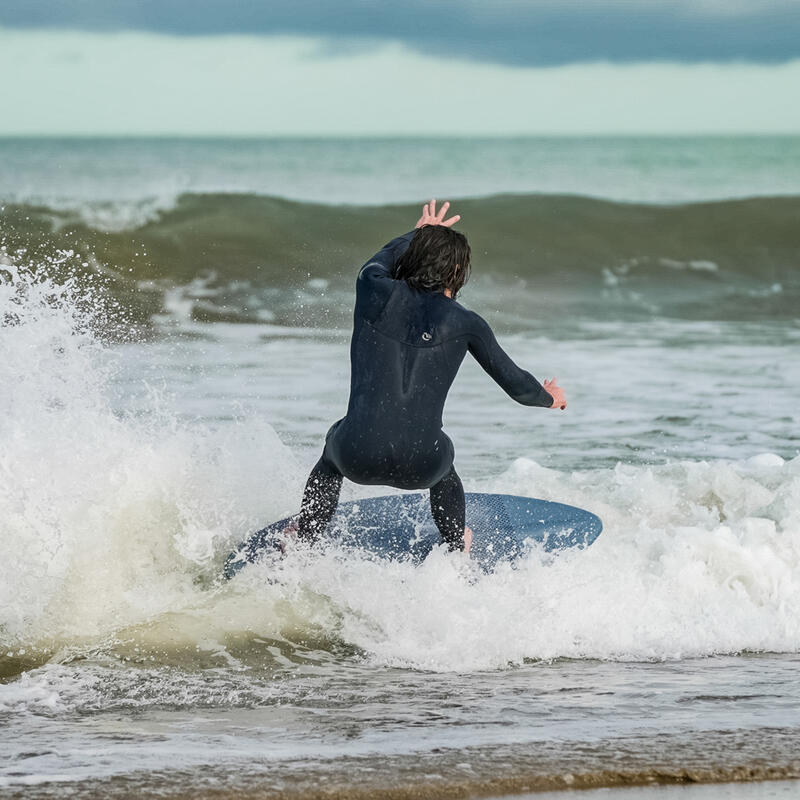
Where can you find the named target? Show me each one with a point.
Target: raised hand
(430, 217)
(559, 401)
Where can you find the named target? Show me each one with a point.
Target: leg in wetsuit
(448, 509)
(321, 497)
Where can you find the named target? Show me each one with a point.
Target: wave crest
(258, 259)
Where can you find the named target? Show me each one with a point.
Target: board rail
(401, 527)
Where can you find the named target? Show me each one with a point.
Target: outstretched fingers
(423, 220)
(440, 219)
(430, 216)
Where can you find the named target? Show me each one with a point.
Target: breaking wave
(113, 529)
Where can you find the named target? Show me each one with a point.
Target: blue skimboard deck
(401, 527)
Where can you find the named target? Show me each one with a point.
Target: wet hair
(438, 258)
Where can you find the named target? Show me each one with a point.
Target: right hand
(430, 217)
(559, 401)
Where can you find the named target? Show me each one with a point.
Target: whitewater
(139, 445)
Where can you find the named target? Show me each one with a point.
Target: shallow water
(600, 722)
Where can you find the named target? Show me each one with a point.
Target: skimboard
(401, 527)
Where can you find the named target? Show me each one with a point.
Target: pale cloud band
(62, 82)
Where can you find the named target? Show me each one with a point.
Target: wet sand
(725, 761)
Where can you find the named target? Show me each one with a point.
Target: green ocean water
(270, 230)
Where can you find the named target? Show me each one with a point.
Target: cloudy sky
(318, 67)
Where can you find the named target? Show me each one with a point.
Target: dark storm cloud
(518, 32)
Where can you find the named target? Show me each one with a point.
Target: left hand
(559, 401)
(430, 217)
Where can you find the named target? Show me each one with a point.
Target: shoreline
(709, 758)
(737, 783)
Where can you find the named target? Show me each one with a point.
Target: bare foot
(467, 539)
(288, 534)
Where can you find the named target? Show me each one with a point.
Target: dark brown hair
(438, 258)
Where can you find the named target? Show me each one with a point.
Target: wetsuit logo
(426, 337)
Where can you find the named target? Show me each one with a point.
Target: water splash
(113, 528)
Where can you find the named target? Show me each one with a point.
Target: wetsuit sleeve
(382, 263)
(515, 381)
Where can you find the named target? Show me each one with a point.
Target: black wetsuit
(406, 349)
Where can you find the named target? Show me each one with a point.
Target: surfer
(410, 336)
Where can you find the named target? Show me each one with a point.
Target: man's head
(437, 259)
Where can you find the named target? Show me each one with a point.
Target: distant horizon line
(411, 136)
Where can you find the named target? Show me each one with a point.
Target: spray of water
(113, 528)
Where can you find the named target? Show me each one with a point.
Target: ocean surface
(174, 331)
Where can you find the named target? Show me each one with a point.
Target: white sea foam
(113, 523)
(32, 693)
(696, 558)
(104, 520)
